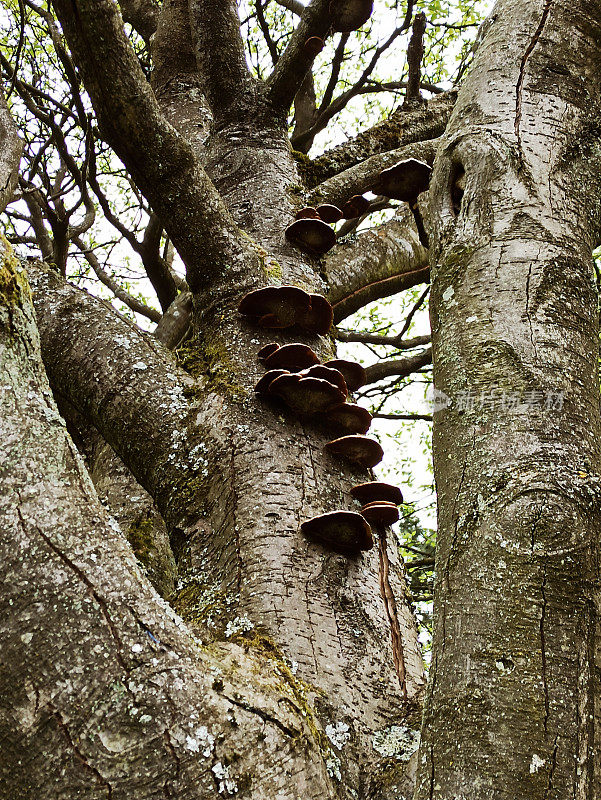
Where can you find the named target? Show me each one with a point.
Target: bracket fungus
(329, 213)
(292, 357)
(361, 449)
(380, 513)
(346, 531)
(265, 381)
(319, 317)
(349, 15)
(307, 213)
(354, 207)
(405, 181)
(266, 351)
(285, 306)
(354, 374)
(377, 491)
(327, 374)
(312, 236)
(349, 418)
(313, 46)
(275, 306)
(306, 396)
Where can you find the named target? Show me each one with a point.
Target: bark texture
(515, 679)
(105, 692)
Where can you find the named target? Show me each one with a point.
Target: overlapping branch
(161, 162)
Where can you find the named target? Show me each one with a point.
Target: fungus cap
(314, 45)
(349, 15)
(404, 180)
(354, 374)
(292, 357)
(354, 207)
(306, 396)
(349, 418)
(275, 306)
(267, 351)
(319, 317)
(329, 213)
(312, 236)
(361, 449)
(333, 376)
(307, 213)
(264, 383)
(346, 531)
(381, 513)
(377, 491)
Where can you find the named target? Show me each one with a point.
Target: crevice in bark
(264, 715)
(552, 768)
(171, 749)
(391, 612)
(520, 84)
(90, 586)
(431, 772)
(528, 309)
(77, 752)
(543, 647)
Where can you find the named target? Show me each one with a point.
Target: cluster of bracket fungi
(311, 389)
(405, 180)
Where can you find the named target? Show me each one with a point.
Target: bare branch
(329, 112)
(376, 264)
(131, 302)
(293, 64)
(415, 54)
(388, 341)
(227, 82)
(399, 367)
(10, 154)
(405, 417)
(161, 162)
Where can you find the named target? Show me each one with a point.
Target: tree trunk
(511, 709)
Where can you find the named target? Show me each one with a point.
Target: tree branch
(220, 56)
(10, 154)
(161, 162)
(142, 15)
(294, 62)
(361, 177)
(401, 128)
(399, 367)
(376, 264)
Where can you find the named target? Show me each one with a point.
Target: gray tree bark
(512, 705)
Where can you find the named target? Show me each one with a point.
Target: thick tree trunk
(511, 706)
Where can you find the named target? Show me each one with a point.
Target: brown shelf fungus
(264, 383)
(313, 46)
(377, 491)
(319, 317)
(361, 449)
(275, 306)
(345, 531)
(354, 374)
(405, 181)
(329, 213)
(348, 418)
(381, 513)
(312, 236)
(355, 207)
(267, 351)
(292, 357)
(333, 376)
(350, 15)
(307, 213)
(306, 396)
